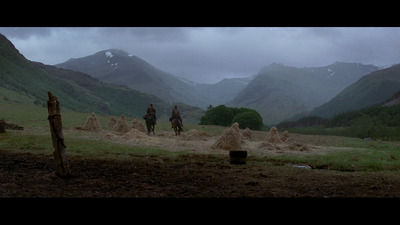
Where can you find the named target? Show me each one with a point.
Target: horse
(176, 124)
(150, 122)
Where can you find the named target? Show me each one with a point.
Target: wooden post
(2, 126)
(57, 136)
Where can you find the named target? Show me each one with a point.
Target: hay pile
(283, 142)
(92, 123)
(112, 123)
(194, 134)
(285, 136)
(135, 134)
(273, 136)
(297, 146)
(230, 140)
(111, 136)
(247, 134)
(121, 126)
(138, 125)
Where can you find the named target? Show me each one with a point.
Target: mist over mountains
(114, 82)
(371, 89)
(118, 67)
(277, 91)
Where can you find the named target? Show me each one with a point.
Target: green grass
(352, 154)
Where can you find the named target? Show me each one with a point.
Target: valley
(108, 164)
(115, 82)
(111, 164)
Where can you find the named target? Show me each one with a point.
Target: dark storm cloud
(208, 54)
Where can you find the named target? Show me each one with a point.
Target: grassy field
(353, 154)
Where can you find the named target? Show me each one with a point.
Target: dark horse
(150, 122)
(176, 124)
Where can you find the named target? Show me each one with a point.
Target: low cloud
(208, 54)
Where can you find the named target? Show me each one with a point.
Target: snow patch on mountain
(191, 83)
(109, 55)
(331, 73)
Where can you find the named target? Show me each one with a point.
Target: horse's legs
(148, 128)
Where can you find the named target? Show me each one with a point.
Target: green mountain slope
(117, 67)
(371, 89)
(279, 92)
(28, 82)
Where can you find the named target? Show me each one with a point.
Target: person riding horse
(176, 115)
(150, 118)
(151, 110)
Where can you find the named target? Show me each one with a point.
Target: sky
(209, 54)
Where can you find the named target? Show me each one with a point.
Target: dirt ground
(207, 173)
(190, 176)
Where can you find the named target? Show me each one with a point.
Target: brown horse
(150, 122)
(176, 124)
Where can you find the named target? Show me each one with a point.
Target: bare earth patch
(205, 174)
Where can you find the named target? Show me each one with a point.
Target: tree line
(375, 122)
(225, 116)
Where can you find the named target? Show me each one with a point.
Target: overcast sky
(209, 54)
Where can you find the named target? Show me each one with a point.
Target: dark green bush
(250, 119)
(226, 116)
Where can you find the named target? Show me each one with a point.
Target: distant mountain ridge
(28, 82)
(279, 92)
(371, 89)
(118, 67)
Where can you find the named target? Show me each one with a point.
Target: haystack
(121, 126)
(92, 123)
(112, 123)
(273, 136)
(247, 134)
(230, 140)
(297, 146)
(110, 136)
(138, 125)
(135, 134)
(285, 136)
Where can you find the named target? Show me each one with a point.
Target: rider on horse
(176, 115)
(151, 110)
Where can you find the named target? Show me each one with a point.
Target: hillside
(222, 91)
(279, 92)
(371, 89)
(117, 67)
(395, 100)
(28, 82)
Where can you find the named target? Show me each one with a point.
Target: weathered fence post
(2, 126)
(57, 136)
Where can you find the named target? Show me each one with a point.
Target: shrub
(250, 119)
(226, 116)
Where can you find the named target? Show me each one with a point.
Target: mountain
(339, 75)
(221, 92)
(395, 100)
(279, 92)
(371, 89)
(28, 82)
(118, 67)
